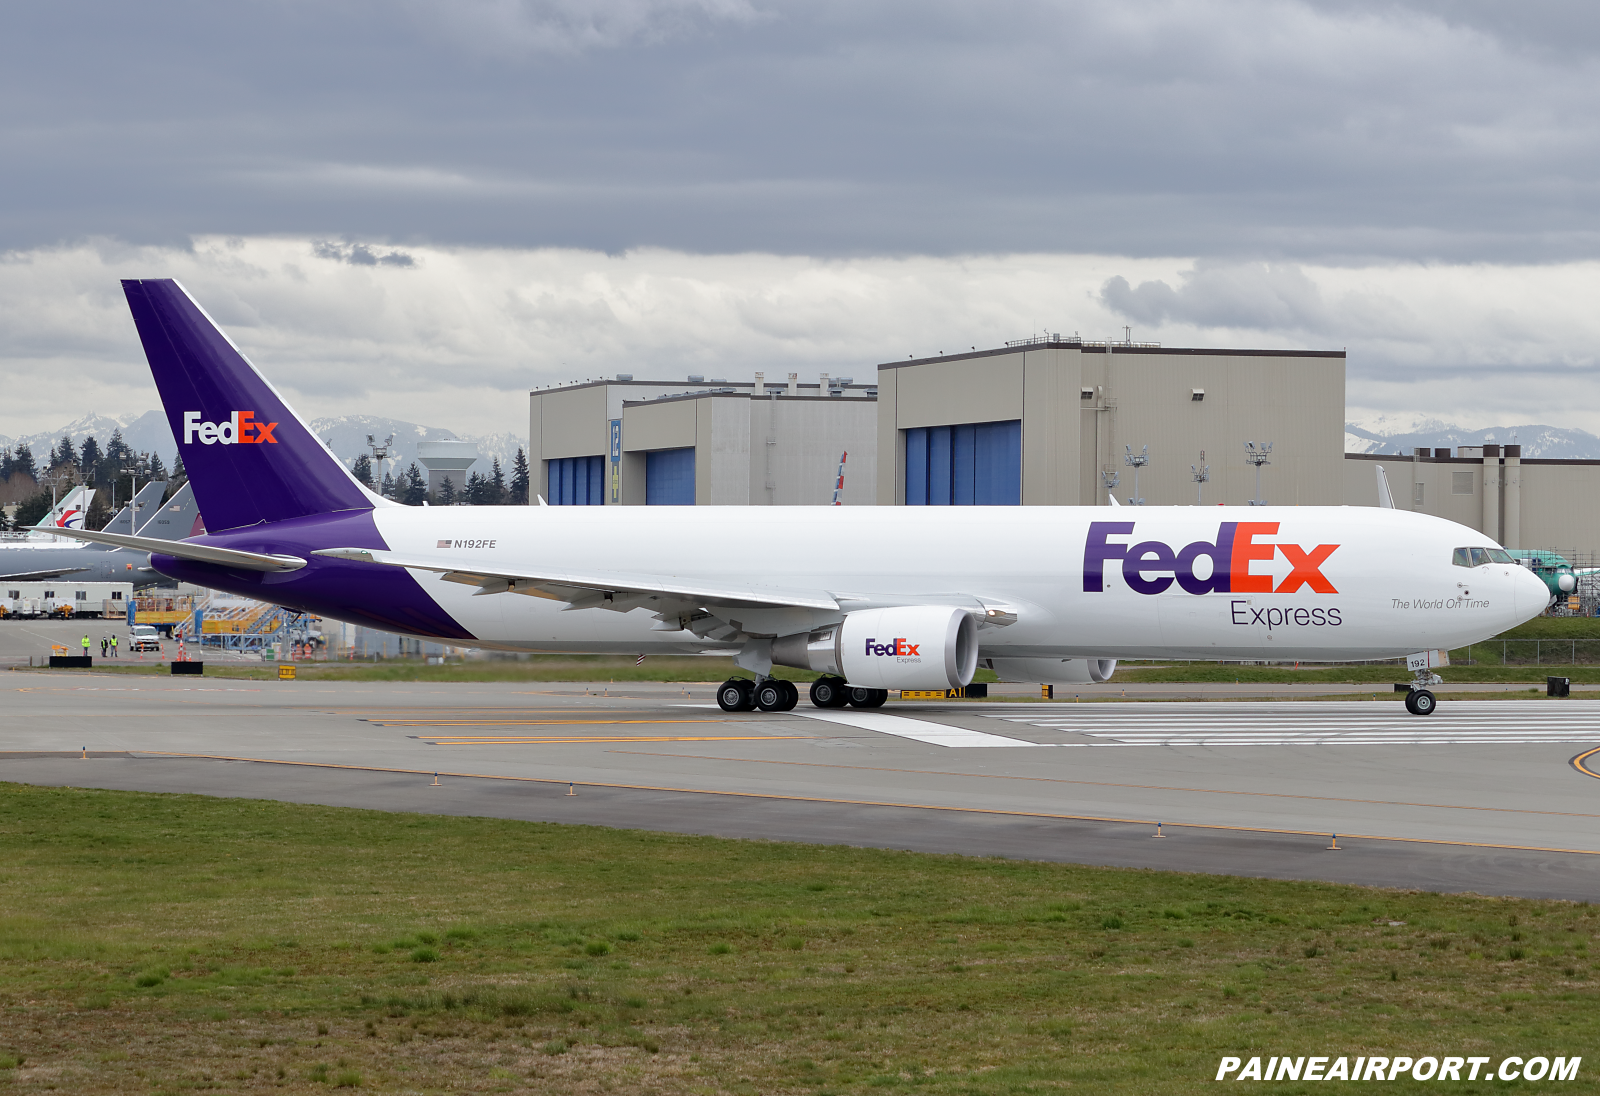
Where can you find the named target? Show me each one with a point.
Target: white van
(143, 637)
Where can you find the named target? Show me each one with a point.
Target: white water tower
(447, 459)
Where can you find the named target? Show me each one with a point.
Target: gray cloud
(359, 255)
(1263, 296)
(1282, 129)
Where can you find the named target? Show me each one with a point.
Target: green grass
(163, 943)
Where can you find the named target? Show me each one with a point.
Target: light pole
(141, 467)
(1110, 479)
(1201, 475)
(1257, 457)
(380, 453)
(1136, 461)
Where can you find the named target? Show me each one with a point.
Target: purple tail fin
(249, 457)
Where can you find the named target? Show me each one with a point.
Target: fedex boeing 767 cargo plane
(873, 597)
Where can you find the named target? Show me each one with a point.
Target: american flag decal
(443, 544)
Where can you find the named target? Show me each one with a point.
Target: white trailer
(63, 597)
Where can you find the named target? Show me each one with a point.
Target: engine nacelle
(1054, 671)
(907, 647)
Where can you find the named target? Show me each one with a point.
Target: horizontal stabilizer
(573, 586)
(200, 553)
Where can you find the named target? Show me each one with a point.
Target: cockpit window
(1477, 557)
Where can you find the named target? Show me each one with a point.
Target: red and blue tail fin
(249, 457)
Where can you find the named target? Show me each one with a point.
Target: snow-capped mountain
(146, 433)
(1389, 436)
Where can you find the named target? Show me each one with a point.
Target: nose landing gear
(1420, 702)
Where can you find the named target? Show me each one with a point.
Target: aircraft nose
(1567, 583)
(1532, 595)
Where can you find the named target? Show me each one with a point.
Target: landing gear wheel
(830, 692)
(867, 698)
(736, 695)
(773, 695)
(1421, 702)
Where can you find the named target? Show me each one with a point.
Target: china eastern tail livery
(873, 598)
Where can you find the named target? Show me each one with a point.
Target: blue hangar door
(578, 481)
(669, 477)
(970, 464)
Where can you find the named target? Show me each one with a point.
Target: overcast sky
(423, 210)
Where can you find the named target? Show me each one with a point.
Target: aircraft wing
(40, 576)
(202, 553)
(592, 589)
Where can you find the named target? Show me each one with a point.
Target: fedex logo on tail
(240, 428)
(1152, 566)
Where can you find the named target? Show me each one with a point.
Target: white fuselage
(1372, 583)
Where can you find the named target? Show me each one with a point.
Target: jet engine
(906, 647)
(1054, 671)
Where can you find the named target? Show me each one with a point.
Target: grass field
(157, 943)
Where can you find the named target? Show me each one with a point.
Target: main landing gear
(773, 694)
(834, 692)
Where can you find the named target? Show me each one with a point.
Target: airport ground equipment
(883, 597)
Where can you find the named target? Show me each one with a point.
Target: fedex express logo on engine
(240, 428)
(1151, 566)
(894, 647)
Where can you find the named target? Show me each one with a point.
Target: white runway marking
(936, 734)
(1321, 723)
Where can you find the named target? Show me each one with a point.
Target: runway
(1481, 796)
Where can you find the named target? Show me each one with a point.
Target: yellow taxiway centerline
(598, 739)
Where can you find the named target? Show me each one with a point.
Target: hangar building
(1044, 422)
(1522, 503)
(717, 443)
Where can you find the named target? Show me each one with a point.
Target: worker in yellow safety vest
(86, 645)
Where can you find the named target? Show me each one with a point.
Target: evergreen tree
(23, 462)
(519, 478)
(497, 485)
(117, 450)
(7, 464)
(476, 487)
(447, 493)
(158, 471)
(416, 488)
(362, 469)
(33, 510)
(89, 459)
(388, 486)
(64, 455)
